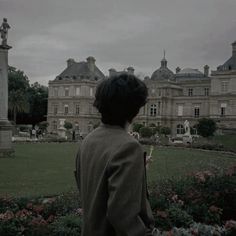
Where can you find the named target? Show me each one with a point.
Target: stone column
(6, 148)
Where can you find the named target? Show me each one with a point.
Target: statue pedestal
(61, 132)
(6, 149)
(187, 139)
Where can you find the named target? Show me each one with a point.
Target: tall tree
(27, 103)
(206, 127)
(18, 85)
(38, 96)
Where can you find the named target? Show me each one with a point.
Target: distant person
(110, 165)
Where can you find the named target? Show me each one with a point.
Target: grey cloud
(118, 33)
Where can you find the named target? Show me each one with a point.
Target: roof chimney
(234, 48)
(177, 70)
(206, 70)
(70, 62)
(112, 72)
(130, 70)
(91, 63)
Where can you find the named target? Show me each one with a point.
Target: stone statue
(4, 31)
(187, 128)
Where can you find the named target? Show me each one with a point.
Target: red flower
(38, 209)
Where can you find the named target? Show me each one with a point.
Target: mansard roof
(228, 65)
(79, 71)
(231, 63)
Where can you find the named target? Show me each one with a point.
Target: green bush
(145, 132)
(137, 126)
(68, 125)
(165, 130)
(179, 217)
(69, 225)
(206, 127)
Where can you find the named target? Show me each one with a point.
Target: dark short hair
(119, 98)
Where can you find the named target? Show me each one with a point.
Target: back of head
(119, 98)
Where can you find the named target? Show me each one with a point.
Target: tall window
(180, 110)
(76, 109)
(180, 129)
(224, 86)
(55, 109)
(153, 110)
(223, 109)
(66, 92)
(90, 91)
(54, 125)
(206, 91)
(196, 111)
(55, 92)
(190, 92)
(66, 109)
(77, 91)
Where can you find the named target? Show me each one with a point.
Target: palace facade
(187, 94)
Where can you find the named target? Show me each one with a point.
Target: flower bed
(208, 198)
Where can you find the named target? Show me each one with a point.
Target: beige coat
(110, 173)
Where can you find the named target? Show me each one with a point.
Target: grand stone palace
(187, 94)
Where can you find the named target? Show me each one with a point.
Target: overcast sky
(118, 33)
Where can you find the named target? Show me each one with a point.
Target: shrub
(165, 130)
(69, 225)
(68, 125)
(145, 132)
(206, 127)
(137, 127)
(179, 217)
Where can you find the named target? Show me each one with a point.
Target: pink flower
(230, 224)
(50, 218)
(231, 171)
(39, 221)
(79, 211)
(38, 209)
(162, 214)
(23, 214)
(215, 209)
(8, 215)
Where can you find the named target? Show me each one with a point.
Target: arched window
(180, 129)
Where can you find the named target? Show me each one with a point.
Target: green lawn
(229, 141)
(46, 169)
(176, 162)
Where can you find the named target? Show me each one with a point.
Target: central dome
(163, 73)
